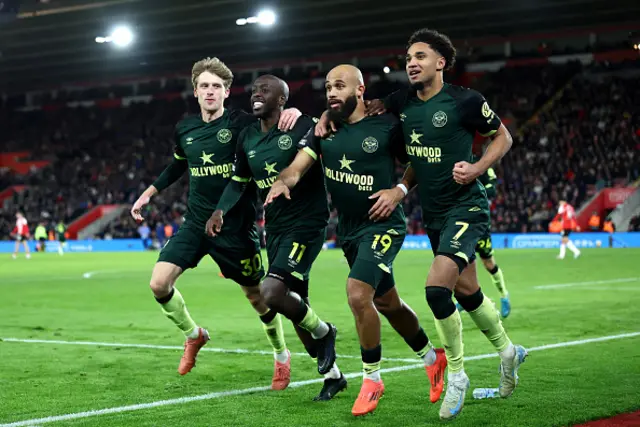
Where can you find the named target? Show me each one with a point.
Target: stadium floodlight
(386, 70)
(101, 39)
(122, 36)
(266, 18)
(241, 21)
(252, 20)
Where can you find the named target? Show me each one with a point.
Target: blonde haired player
(205, 146)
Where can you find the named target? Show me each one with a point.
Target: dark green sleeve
(477, 116)
(310, 144)
(231, 195)
(394, 102)
(242, 175)
(175, 170)
(396, 141)
(242, 119)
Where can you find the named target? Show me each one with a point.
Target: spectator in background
(144, 231)
(594, 221)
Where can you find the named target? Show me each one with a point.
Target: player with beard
(295, 229)
(359, 161)
(439, 122)
(205, 146)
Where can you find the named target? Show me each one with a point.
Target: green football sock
(488, 320)
(450, 333)
(498, 280)
(176, 310)
(312, 323)
(275, 333)
(371, 370)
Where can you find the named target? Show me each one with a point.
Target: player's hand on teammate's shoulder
(288, 119)
(214, 224)
(324, 127)
(277, 189)
(374, 107)
(465, 173)
(136, 210)
(386, 203)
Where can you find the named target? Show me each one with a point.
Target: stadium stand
(574, 127)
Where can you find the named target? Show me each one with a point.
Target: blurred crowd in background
(588, 140)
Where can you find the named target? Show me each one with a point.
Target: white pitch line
(175, 347)
(596, 282)
(217, 395)
(613, 288)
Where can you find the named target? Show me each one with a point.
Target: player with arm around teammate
(205, 146)
(359, 160)
(295, 230)
(439, 122)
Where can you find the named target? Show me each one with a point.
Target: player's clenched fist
(214, 224)
(465, 172)
(277, 189)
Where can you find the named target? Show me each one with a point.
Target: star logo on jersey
(415, 137)
(224, 135)
(270, 167)
(370, 145)
(285, 142)
(189, 141)
(439, 119)
(206, 158)
(346, 164)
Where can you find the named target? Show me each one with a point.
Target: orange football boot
(435, 373)
(191, 349)
(281, 374)
(368, 399)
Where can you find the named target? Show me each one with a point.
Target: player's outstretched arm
(291, 175)
(169, 175)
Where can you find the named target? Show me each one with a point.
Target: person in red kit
(21, 231)
(567, 216)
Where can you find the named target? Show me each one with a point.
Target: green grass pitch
(104, 298)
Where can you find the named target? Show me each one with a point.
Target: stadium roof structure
(53, 41)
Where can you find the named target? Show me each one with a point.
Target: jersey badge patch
(285, 142)
(224, 135)
(439, 119)
(370, 145)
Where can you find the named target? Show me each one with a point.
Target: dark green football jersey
(261, 156)
(359, 160)
(209, 149)
(439, 133)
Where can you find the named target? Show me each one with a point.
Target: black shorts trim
(301, 287)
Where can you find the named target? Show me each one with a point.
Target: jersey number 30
(250, 266)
